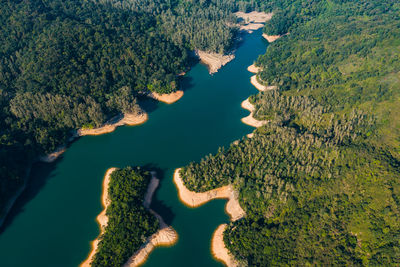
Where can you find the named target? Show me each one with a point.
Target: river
(53, 222)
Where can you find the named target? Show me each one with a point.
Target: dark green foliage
(71, 64)
(129, 223)
(320, 182)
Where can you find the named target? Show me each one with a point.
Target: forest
(70, 64)
(129, 223)
(320, 183)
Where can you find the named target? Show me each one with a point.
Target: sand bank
(53, 156)
(111, 125)
(218, 249)
(233, 208)
(167, 98)
(271, 38)
(166, 236)
(253, 20)
(260, 86)
(253, 69)
(250, 120)
(214, 61)
(250, 135)
(102, 219)
(193, 199)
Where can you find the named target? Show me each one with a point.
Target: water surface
(54, 221)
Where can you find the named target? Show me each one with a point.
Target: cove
(53, 222)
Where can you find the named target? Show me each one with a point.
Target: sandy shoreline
(102, 219)
(111, 125)
(260, 86)
(253, 69)
(214, 61)
(108, 127)
(193, 199)
(165, 236)
(232, 208)
(218, 249)
(271, 38)
(250, 120)
(167, 98)
(253, 20)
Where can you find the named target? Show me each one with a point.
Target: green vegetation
(71, 64)
(320, 183)
(129, 223)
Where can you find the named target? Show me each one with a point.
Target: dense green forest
(129, 223)
(320, 182)
(71, 64)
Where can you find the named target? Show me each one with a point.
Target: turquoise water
(54, 221)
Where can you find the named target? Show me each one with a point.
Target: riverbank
(253, 20)
(214, 61)
(111, 125)
(102, 219)
(250, 120)
(232, 208)
(194, 199)
(165, 236)
(218, 249)
(260, 86)
(253, 69)
(167, 98)
(271, 38)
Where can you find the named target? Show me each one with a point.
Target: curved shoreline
(232, 208)
(253, 69)
(193, 199)
(213, 61)
(260, 86)
(101, 219)
(250, 120)
(167, 98)
(112, 124)
(271, 38)
(218, 248)
(165, 236)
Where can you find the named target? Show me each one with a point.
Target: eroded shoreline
(250, 120)
(101, 219)
(165, 236)
(232, 208)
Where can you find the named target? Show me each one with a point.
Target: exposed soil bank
(260, 86)
(233, 208)
(218, 249)
(214, 61)
(271, 38)
(253, 20)
(194, 199)
(250, 120)
(167, 98)
(253, 69)
(110, 126)
(102, 219)
(166, 236)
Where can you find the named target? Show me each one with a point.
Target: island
(127, 223)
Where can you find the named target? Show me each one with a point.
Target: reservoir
(54, 221)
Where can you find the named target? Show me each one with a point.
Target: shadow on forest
(40, 174)
(157, 205)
